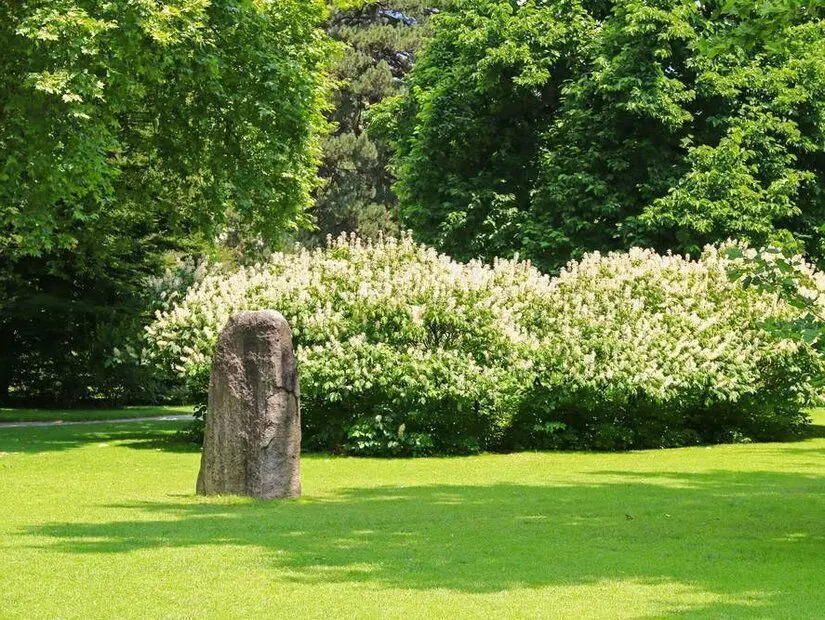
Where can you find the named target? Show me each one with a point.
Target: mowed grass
(102, 522)
(78, 415)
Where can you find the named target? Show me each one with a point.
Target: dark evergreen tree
(379, 41)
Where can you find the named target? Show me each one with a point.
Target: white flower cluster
(666, 328)
(457, 349)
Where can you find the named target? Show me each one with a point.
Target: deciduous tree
(556, 127)
(129, 129)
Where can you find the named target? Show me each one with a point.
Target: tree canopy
(556, 127)
(192, 109)
(130, 129)
(378, 44)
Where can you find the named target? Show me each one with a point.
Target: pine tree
(379, 42)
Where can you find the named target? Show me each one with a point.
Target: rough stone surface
(252, 440)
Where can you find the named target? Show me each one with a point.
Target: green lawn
(102, 522)
(75, 415)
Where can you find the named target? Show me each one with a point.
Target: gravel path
(166, 418)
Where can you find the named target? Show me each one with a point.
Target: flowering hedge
(405, 351)
(639, 349)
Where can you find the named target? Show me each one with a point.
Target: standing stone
(252, 441)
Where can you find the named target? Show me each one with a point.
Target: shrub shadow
(815, 431)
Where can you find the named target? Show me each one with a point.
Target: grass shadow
(750, 538)
(813, 432)
(155, 435)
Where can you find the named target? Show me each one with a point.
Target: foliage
(381, 436)
(641, 349)
(558, 127)
(795, 280)
(378, 44)
(207, 106)
(71, 320)
(405, 351)
(380, 327)
(131, 130)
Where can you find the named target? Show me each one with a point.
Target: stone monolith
(252, 440)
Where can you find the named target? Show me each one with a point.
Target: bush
(405, 351)
(388, 329)
(641, 350)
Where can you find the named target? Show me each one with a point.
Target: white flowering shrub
(388, 335)
(403, 351)
(641, 349)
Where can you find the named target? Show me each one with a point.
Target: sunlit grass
(103, 522)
